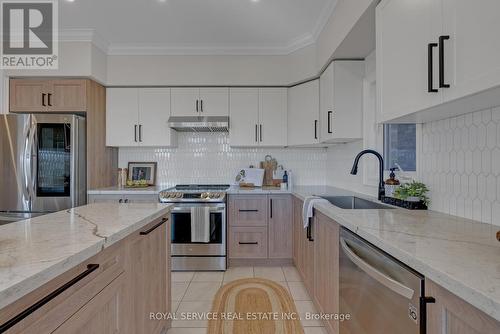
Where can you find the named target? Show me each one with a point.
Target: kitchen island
(86, 267)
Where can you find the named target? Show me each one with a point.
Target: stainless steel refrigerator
(42, 166)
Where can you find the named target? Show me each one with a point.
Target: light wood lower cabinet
(248, 242)
(316, 258)
(148, 279)
(280, 223)
(105, 313)
(326, 267)
(452, 315)
(131, 280)
(261, 227)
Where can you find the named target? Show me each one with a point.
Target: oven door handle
(380, 277)
(188, 210)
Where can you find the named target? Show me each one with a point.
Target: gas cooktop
(194, 193)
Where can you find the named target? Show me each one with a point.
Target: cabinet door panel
(25, 95)
(122, 116)
(452, 315)
(280, 227)
(303, 114)
(404, 30)
(298, 229)
(326, 103)
(104, 314)
(214, 101)
(154, 111)
(244, 120)
(248, 242)
(148, 276)
(472, 52)
(326, 264)
(273, 117)
(67, 95)
(184, 101)
(248, 210)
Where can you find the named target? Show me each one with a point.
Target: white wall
(208, 158)
(345, 16)
(211, 70)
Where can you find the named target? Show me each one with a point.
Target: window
(400, 146)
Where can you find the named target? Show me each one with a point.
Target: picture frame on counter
(142, 171)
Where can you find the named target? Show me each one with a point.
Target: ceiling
(196, 26)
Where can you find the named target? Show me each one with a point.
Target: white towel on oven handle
(200, 224)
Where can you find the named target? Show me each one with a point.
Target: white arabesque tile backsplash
(208, 158)
(461, 165)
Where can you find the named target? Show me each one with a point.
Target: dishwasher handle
(380, 277)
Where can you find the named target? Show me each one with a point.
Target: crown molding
(122, 49)
(325, 15)
(84, 35)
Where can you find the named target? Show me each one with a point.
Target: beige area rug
(254, 306)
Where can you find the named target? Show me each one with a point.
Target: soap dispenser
(391, 184)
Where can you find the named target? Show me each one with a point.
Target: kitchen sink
(354, 203)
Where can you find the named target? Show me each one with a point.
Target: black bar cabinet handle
(135, 133)
(260, 129)
(271, 207)
(201, 105)
(163, 221)
(309, 230)
(330, 121)
(315, 129)
(248, 243)
(196, 105)
(441, 61)
(256, 133)
(140, 133)
(48, 100)
(33, 308)
(430, 89)
(248, 210)
(43, 99)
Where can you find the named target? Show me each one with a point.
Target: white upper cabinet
(193, 101)
(185, 101)
(122, 117)
(138, 117)
(472, 52)
(303, 114)
(273, 117)
(341, 106)
(214, 101)
(437, 58)
(244, 117)
(257, 117)
(405, 31)
(154, 111)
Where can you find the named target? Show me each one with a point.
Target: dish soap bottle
(391, 184)
(284, 183)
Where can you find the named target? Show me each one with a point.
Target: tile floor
(194, 292)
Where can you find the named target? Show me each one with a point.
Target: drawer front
(248, 210)
(248, 242)
(48, 317)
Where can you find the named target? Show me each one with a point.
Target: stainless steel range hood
(199, 123)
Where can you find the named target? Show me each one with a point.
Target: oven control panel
(175, 196)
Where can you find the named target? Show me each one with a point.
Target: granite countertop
(461, 255)
(34, 251)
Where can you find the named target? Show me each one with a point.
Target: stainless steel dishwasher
(381, 294)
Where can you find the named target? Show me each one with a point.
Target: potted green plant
(413, 192)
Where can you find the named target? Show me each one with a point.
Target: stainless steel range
(199, 226)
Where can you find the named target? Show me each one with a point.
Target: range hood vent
(199, 123)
